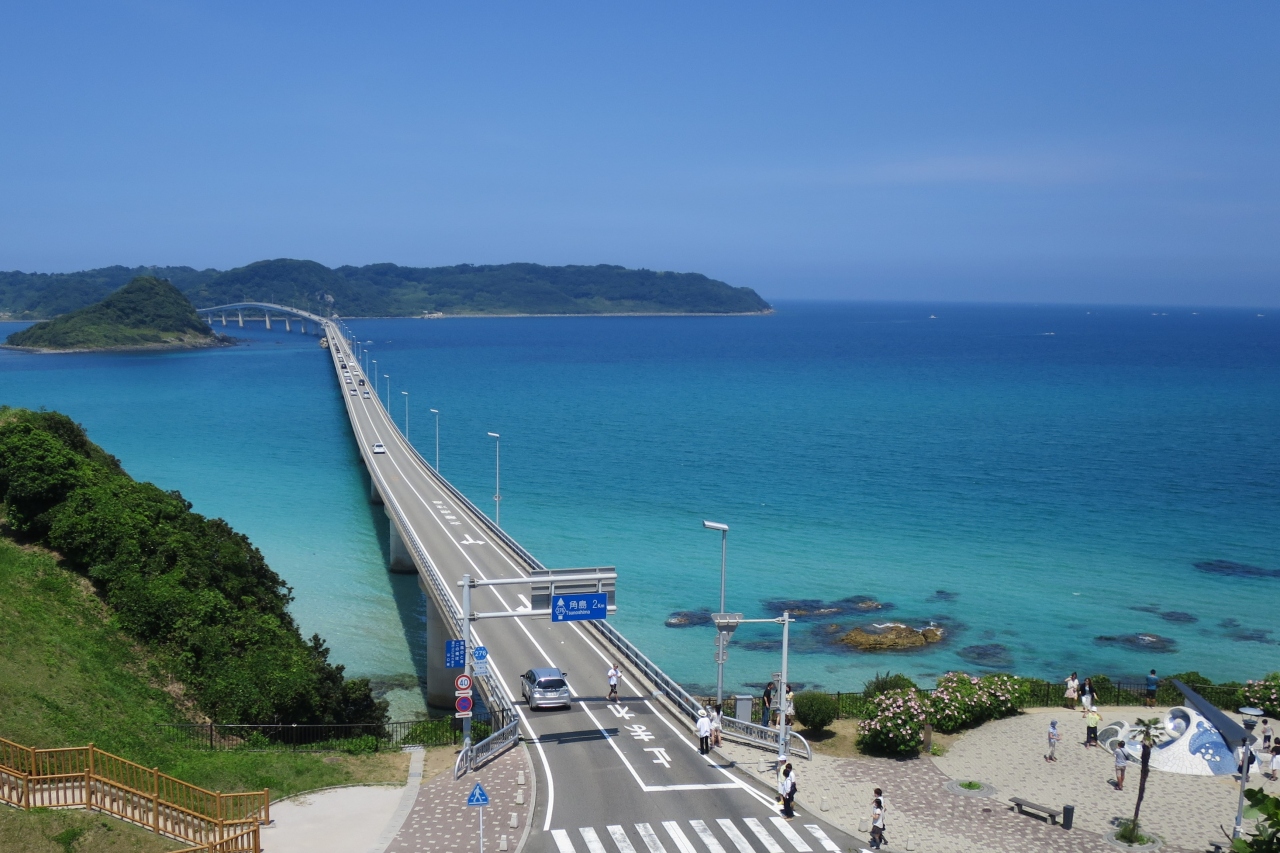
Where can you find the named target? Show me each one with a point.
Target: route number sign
(580, 607)
(462, 682)
(455, 654)
(479, 653)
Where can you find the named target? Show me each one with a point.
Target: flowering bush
(1006, 694)
(957, 702)
(895, 725)
(1264, 694)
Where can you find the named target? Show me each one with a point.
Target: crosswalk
(769, 839)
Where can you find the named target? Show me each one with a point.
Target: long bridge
(619, 769)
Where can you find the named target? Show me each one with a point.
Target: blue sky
(1022, 151)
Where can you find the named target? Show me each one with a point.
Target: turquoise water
(1048, 483)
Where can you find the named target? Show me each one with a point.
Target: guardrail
(764, 736)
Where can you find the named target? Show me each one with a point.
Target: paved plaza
(1185, 811)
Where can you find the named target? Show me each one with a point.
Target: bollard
(864, 825)
(1068, 816)
(519, 796)
(515, 820)
(519, 777)
(502, 843)
(762, 766)
(825, 807)
(911, 843)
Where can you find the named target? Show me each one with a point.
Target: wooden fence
(87, 777)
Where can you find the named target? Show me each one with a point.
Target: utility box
(742, 708)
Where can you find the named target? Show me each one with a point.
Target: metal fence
(353, 738)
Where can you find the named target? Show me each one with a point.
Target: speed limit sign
(462, 682)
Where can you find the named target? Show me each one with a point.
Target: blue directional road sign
(579, 607)
(478, 797)
(480, 653)
(455, 654)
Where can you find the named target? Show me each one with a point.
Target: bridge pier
(224, 319)
(401, 562)
(439, 679)
(240, 317)
(286, 325)
(267, 315)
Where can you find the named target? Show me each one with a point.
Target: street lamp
(1250, 720)
(497, 478)
(374, 376)
(406, 415)
(436, 412)
(720, 635)
(387, 376)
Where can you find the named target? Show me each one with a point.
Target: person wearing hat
(704, 732)
(1054, 737)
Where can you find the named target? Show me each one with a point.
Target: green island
(390, 290)
(147, 313)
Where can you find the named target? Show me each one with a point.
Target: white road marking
(639, 731)
(677, 835)
(738, 839)
(593, 840)
(791, 835)
(620, 839)
(700, 827)
(563, 841)
(761, 833)
(659, 756)
(650, 838)
(827, 843)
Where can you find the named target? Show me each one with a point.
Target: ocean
(1046, 483)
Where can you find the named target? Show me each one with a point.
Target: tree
(1146, 731)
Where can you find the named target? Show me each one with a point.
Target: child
(1275, 762)
(1054, 737)
(1091, 728)
(1266, 735)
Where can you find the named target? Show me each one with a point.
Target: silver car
(545, 688)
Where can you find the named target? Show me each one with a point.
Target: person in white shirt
(704, 732)
(717, 724)
(615, 672)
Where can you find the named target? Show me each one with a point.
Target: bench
(1218, 845)
(1020, 804)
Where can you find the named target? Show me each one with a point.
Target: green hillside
(389, 290)
(145, 312)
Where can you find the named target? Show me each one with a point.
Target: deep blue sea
(1031, 478)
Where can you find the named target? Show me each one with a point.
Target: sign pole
(466, 647)
(482, 829)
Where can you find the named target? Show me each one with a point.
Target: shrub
(363, 745)
(956, 703)
(1264, 694)
(815, 710)
(1006, 694)
(886, 683)
(896, 727)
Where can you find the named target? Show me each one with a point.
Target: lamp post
(406, 414)
(720, 635)
(387, 376)
(727, 623)
(374, 376)
(365, 350)
(436, 412)
(1250, 720)
(497, 478)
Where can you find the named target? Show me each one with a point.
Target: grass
(1130, 833)
(971, 786)
(69, 677)
(75, 831)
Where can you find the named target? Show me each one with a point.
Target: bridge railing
(504, 714)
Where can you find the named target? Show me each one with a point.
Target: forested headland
(390, 290)
(195, 592)
(147, 312)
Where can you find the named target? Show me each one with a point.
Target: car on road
(545, 688)
(353, 392)
(366, 393)
(361, 381)
(378, 448)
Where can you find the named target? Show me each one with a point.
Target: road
(628, 772)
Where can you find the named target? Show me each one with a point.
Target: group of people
(770, 715)
(710, 724)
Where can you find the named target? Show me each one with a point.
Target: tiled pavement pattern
(1184, 810)
(441, 821)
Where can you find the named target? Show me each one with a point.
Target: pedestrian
(1266, 734)
(1054, 737)
(717, 724)
(877, 824)
(1122, 761)
(1275, 762)
(789, 706)
(766, 703)
(1073, 690)
(704, 732)
(884, 801)
(1091, 721)
(1153, 684)
(1243, 754)
(1086, 696)
(1266, 764)
(788, 792)
(615, 672)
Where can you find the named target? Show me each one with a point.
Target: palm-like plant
(1146, 732)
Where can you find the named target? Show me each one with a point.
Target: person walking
(615, 672)
(788, 786)
(766, 703)
(1054, 737)
(1122, 762)
(1086, 696)
(1266, 735)
(877, 824)
(717, 724)
(1073, 690)
(1275, 762)
(1153, 684)
(1091, 721)
(704, 732)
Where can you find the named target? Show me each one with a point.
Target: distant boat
(935, 316)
